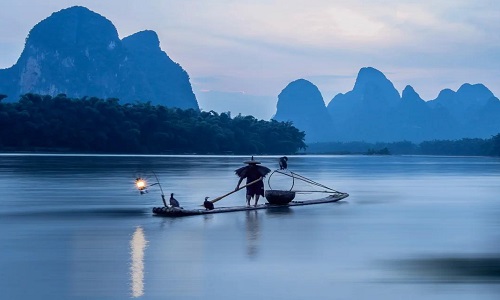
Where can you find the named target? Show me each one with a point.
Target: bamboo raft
(276, 198)
(174, 212)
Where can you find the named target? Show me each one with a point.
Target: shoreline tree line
(40, 123)
(461, 147)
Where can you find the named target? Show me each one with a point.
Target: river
(413, 227)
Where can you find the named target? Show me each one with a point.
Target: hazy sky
(241, 54)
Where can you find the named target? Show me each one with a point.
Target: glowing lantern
(140, 184)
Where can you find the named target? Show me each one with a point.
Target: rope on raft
(310, 181)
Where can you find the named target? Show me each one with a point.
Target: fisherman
(252, 172)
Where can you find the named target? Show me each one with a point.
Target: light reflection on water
(137, 246)
(412, 228)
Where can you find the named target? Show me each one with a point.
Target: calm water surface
(73, 227)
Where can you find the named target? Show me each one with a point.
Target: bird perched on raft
(283, 163)
(173, 201)
(208, 204)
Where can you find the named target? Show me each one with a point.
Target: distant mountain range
(374, 111)
(77, 52)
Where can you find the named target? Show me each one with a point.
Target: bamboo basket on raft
(284, 197)
(279, 197)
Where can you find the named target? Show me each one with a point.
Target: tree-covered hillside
(92, 125)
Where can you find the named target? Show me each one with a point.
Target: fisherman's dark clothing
(252, 174)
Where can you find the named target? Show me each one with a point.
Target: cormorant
(208, 204)
(283, 163)
(173, 201)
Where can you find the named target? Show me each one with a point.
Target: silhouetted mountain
(301, 103)
(411, 97)
(473, 110)
(361, 114)
(160, 74)
(411, 117)
(484, 121)
(414, 120)
(374, 112)
(77, 52)
(374, 89)
(463, 103)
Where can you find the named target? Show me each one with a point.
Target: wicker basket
(278, 197)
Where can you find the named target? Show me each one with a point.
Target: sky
(241, 54)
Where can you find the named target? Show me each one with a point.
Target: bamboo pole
(223, 196)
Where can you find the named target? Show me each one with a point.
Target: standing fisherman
(252, 172)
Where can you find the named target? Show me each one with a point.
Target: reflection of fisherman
(252, 229)
(252, 172)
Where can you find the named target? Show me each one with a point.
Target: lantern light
(140, 184)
